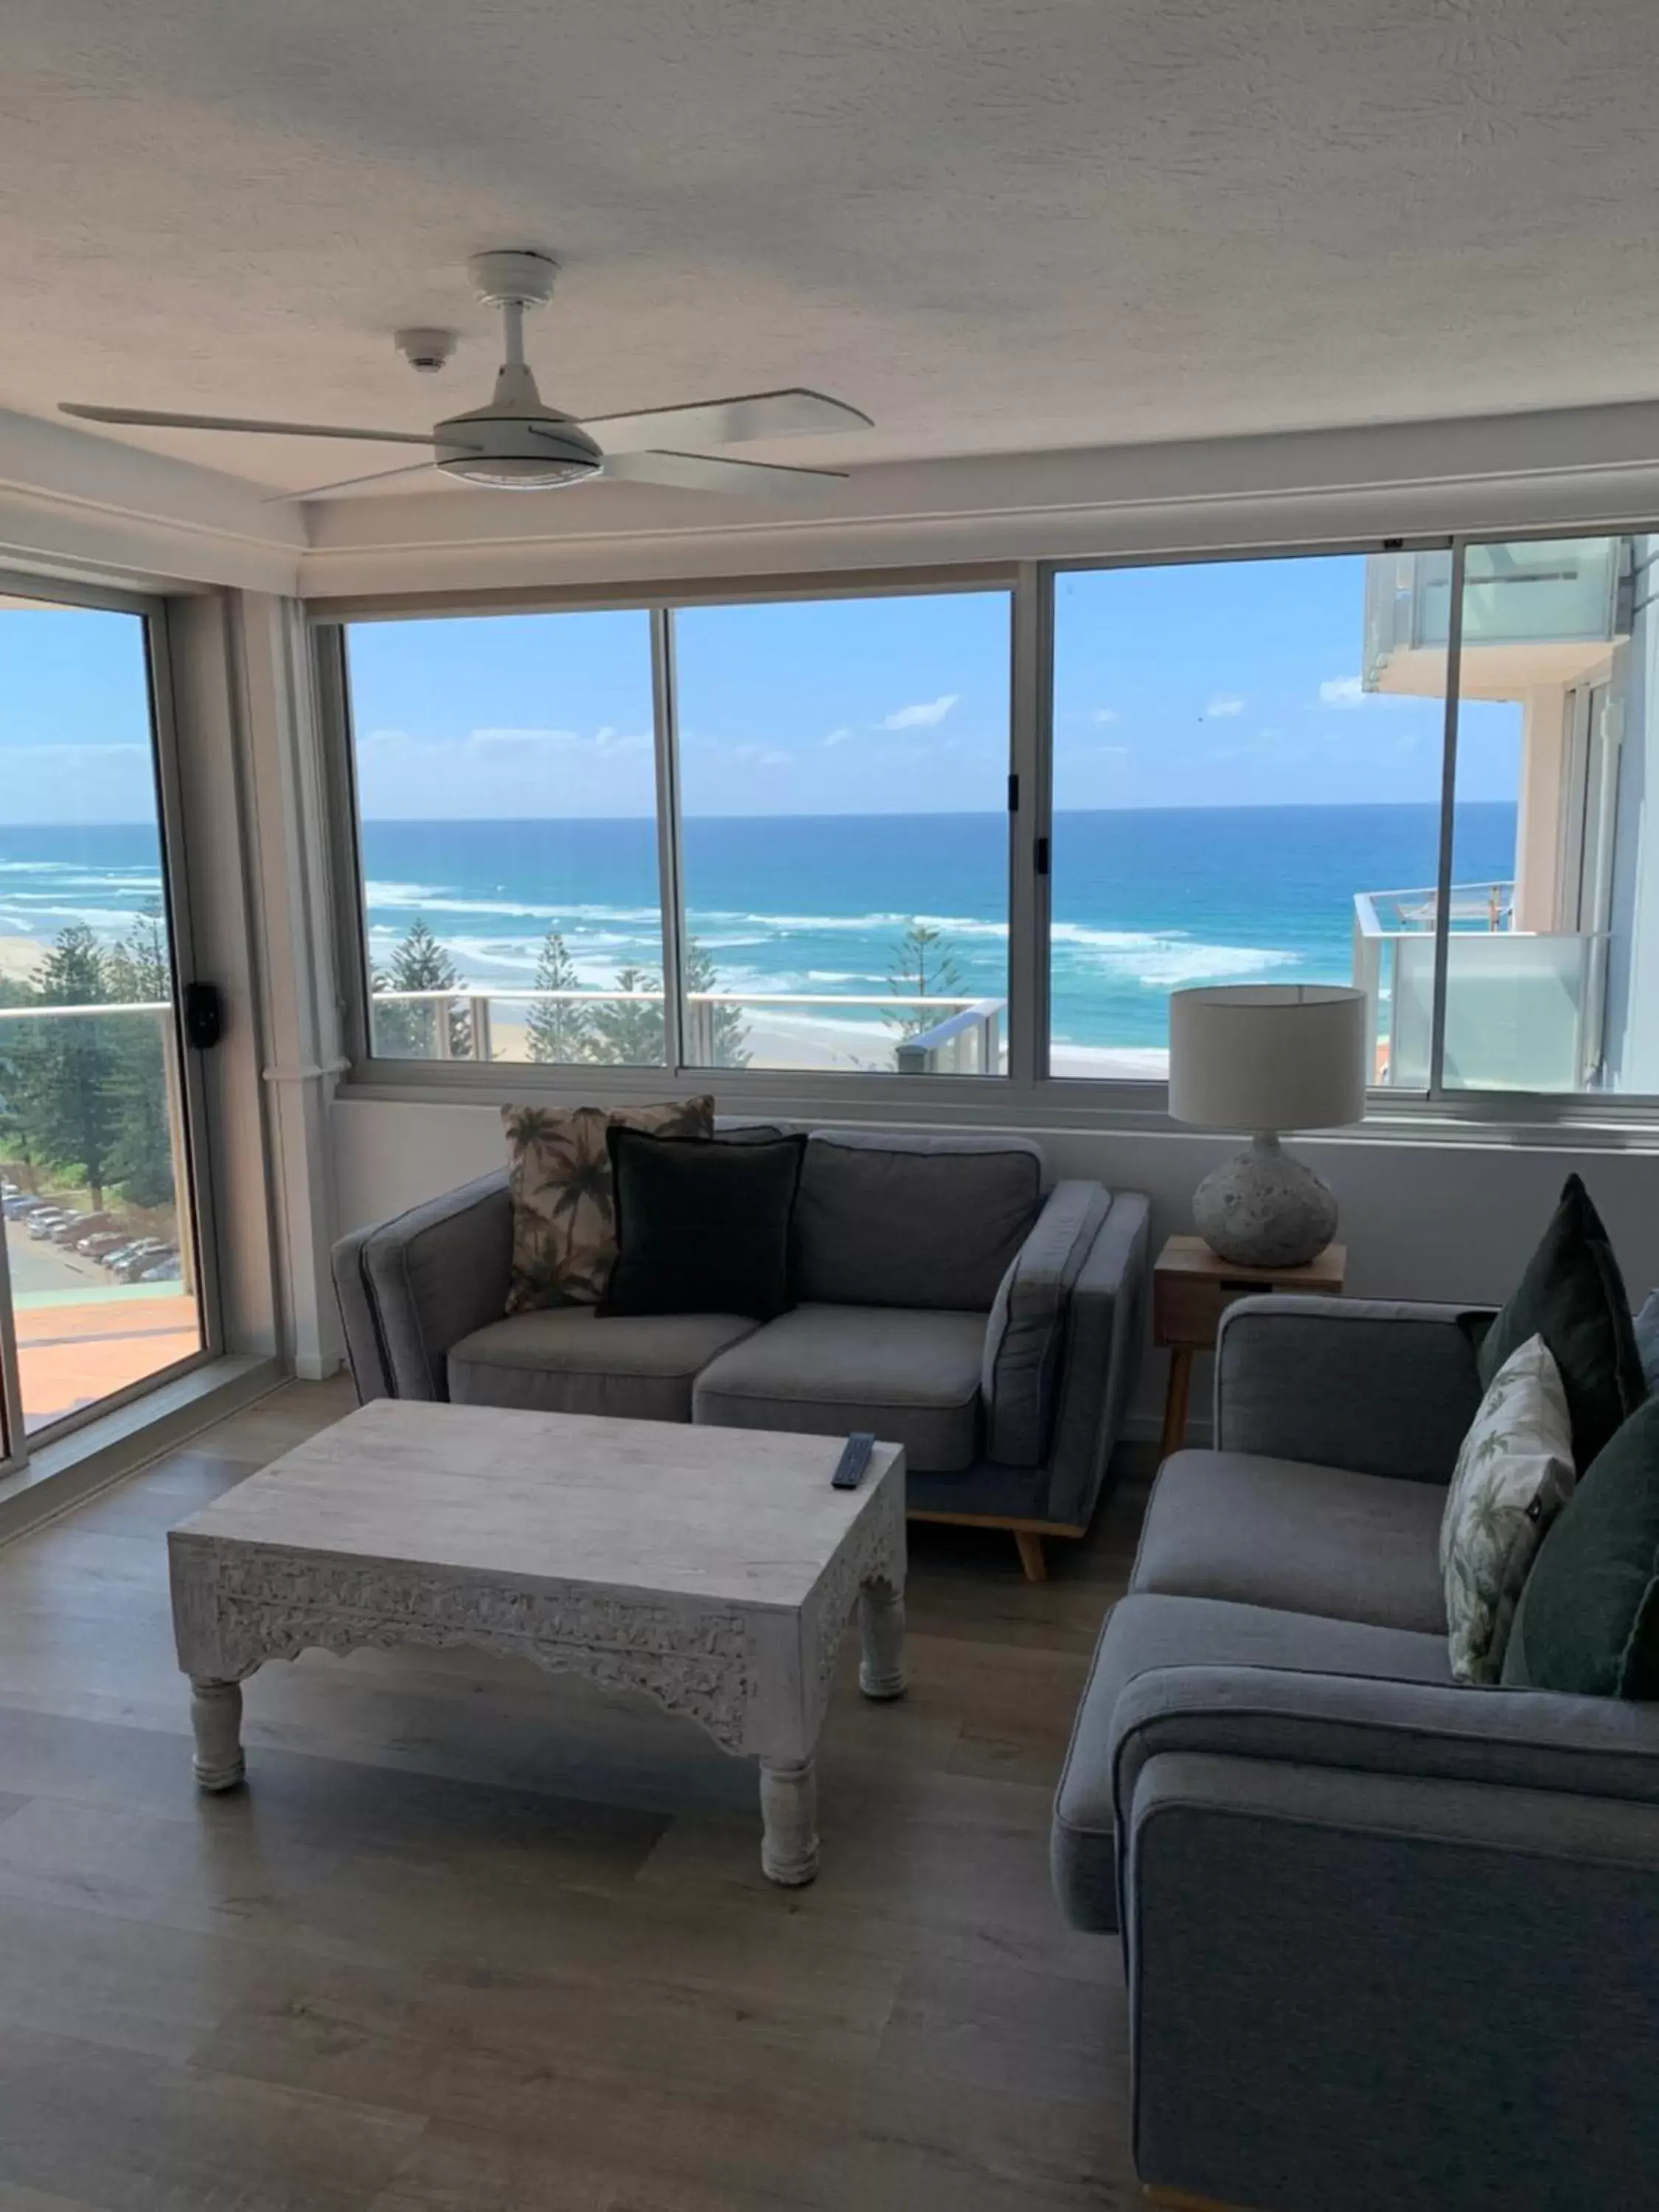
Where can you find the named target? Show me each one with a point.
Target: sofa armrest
(1026, 1335)
(1523, 1740)
(1378, 1388)
(1371, 1991)
(410, 1288)
(1105, 1331)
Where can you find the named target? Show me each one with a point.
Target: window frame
(18, 1443)
(1028, 1094)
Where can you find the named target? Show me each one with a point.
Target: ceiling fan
(518, 443)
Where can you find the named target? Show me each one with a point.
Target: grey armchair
(948, 1302)
(1389, 1940)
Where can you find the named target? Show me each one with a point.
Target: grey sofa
(948, 1301)
(1389, 1942)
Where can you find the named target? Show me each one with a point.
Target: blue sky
(1219, 685)
(74, 717)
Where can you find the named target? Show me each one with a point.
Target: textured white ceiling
(991, 227)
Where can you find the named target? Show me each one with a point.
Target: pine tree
(69, 1071)
(408, 1029)
(629, 1032)
(727, 1030)
(923, 966)
(559, 1029)
(137, 970)
(17, 1147)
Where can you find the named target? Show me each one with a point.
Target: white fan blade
(726, 422)
(149, 418)
(699, 472)
(346, 483)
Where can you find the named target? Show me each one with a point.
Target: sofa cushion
(886, 1220)
(1026, 1335)
(1147, 1632)
(566, 1359)
(564, 1221)
(821, 1370)
(1587, 1622)
(1573, 1296)
(702, 1228)
(1512, 1478)
(1299, 1538)
(1647, 1340)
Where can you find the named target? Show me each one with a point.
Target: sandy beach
(20, 958)
(813, 1042)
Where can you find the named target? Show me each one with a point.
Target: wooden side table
(1193, 1287)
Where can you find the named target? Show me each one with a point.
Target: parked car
(18, 1208)
(78, 1225)
(106, 1239)
(129, 1264)
(43, 1223)
(168, 1272)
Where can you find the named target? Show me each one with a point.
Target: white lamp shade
(1268, 1056)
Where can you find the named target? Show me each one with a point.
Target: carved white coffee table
(713, 1569)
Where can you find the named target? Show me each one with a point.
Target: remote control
(854, 1458)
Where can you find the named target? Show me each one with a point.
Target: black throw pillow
(1573, 1296)
(702, 1228)
(1587, 1622)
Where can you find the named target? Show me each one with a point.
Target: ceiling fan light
(525, 472)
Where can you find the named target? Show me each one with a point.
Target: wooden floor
(475, 1937)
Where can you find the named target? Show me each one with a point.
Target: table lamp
(1267, 1057)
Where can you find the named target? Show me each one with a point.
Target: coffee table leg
(215, 1713)
(881, 1630)
(789, 1810)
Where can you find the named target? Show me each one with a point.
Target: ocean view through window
(1246, 762)
(105, 1295)
(843, 793)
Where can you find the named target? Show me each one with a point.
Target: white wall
(1421, 1218)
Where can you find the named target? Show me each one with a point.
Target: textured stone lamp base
(1264, 1208)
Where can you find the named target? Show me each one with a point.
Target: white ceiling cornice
(1567, 468)
(72, 503)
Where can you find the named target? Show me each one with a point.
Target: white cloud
(1104, 715)
(925, 715)
(1341, 691)
(838, 738)
(1222, 704)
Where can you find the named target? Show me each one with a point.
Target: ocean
(1144, 899)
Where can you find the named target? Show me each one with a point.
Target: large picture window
(1233, 801)
(844, 834)
(771, 834)
(102, 1294)
(506, 805)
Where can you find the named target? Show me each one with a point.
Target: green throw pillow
(1588, 1621)
(1573, 1296)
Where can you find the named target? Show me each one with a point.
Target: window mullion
(1443, 897)
(1031, 691)
(665, 719)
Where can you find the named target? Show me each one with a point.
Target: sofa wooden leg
(1030, 1555)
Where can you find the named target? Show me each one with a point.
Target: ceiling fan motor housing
(516, 443)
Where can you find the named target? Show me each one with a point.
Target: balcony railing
(1562, 591)
(965, 1038)
(1523, 1008)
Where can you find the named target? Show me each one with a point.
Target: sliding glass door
(102, 1293)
